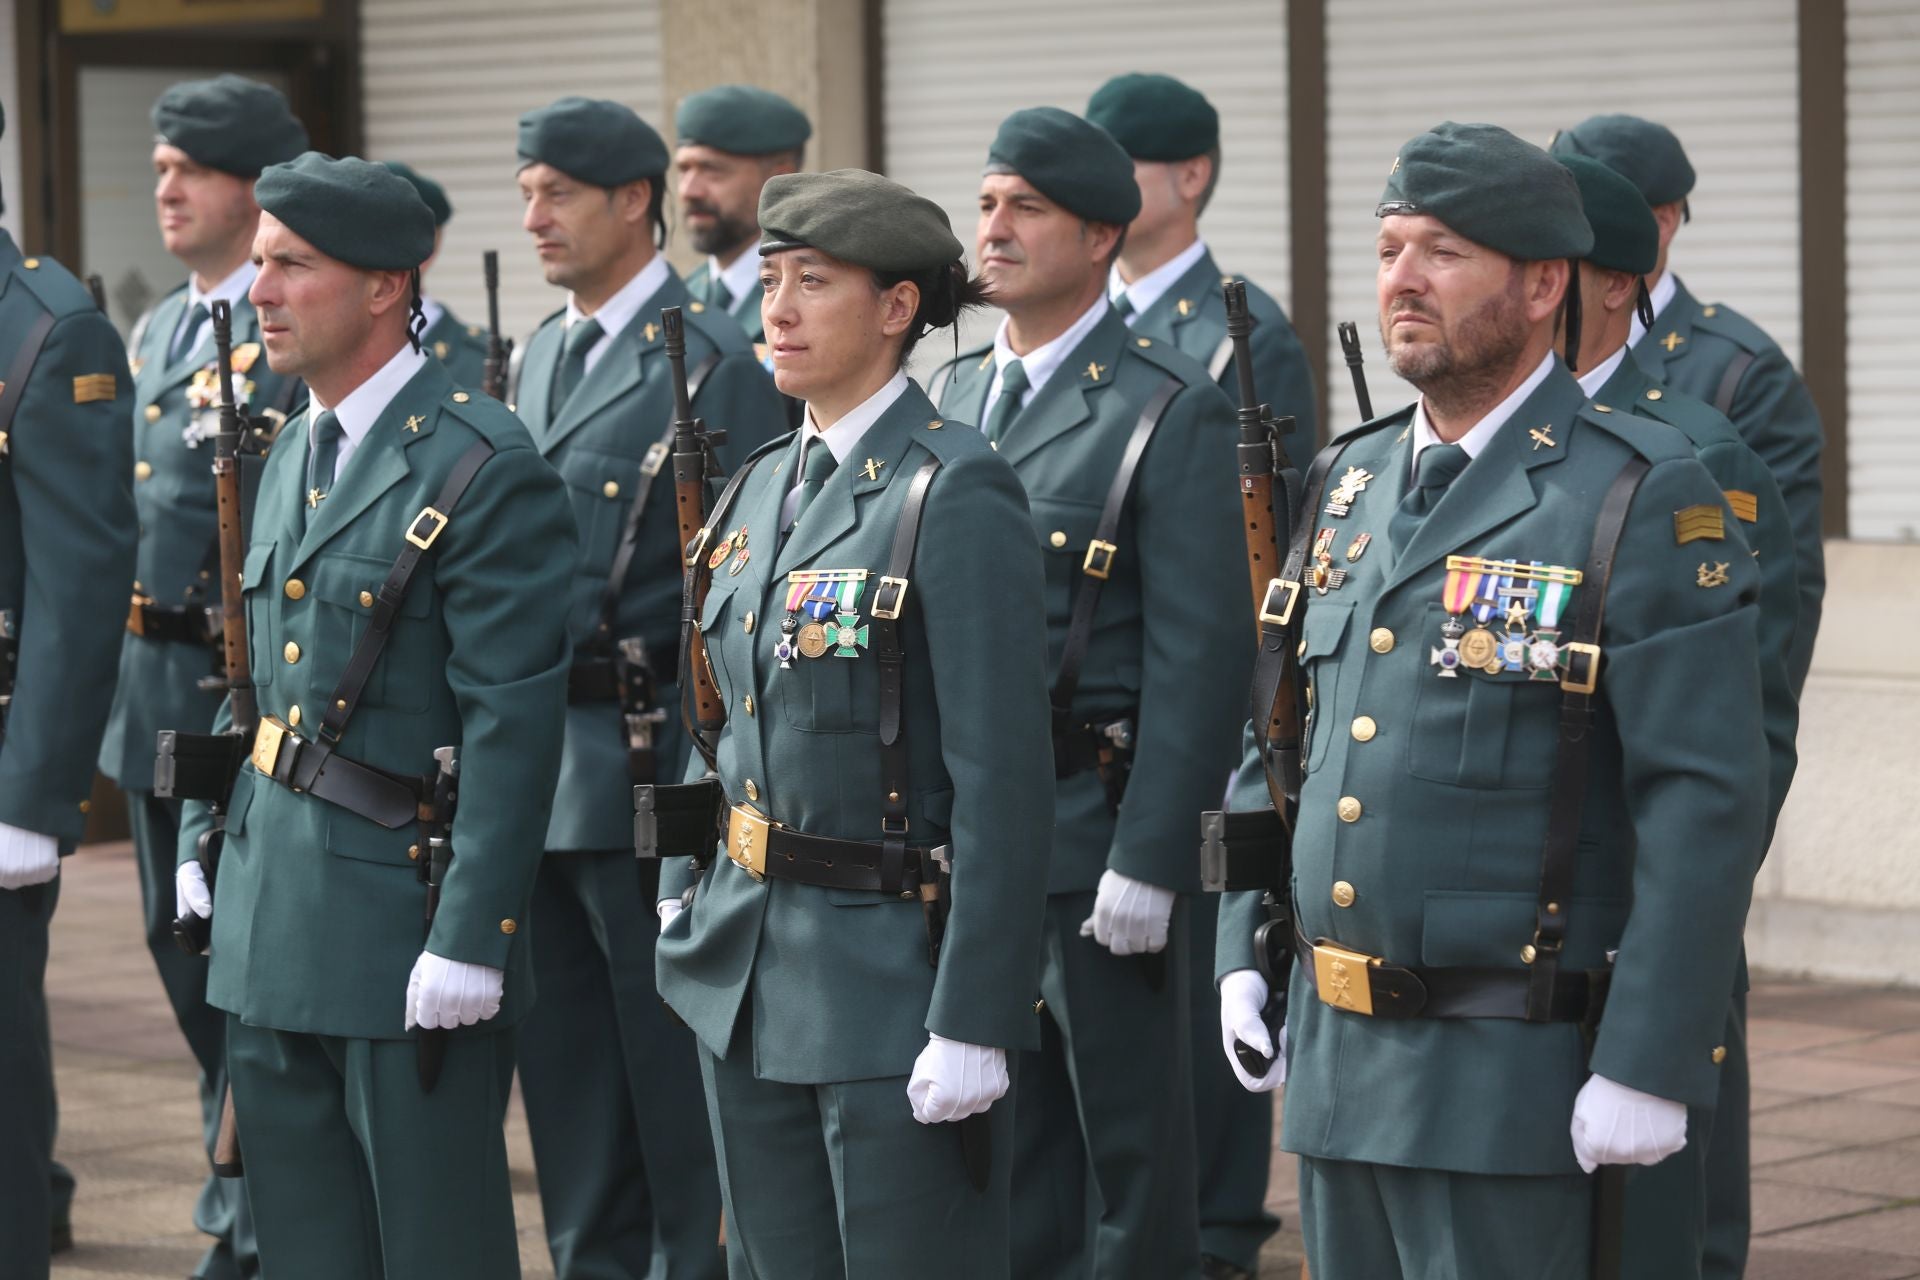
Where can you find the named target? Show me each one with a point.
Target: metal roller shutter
(1720, 73)
(952, 73)
(445, 84)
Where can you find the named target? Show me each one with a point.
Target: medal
(1543, 655)
(740, 560)
(721, 552)
(1447, 657)
(813, 640)
(1358, 547)
(1512, 655)
(784, 649)
(1340, 500)
(1478, 647)
(846, 632)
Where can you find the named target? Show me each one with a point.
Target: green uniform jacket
(1171, 638)
(1690, 348)
(1193, 316)
(839, 983)
(66, 542)
(317, 911)
(460, 346)
(1452, 784)
(1755, 498)
(173, 492)
(745, 310)
(597, 443)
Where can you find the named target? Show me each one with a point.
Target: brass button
(1710, 312)
(746, 623)
(1602, 408)
(366, 599)
(31, 264)
(1349, 809)
(142, 469)
(1381, 640)
(506, 926)
(1364, 728)
(292, 651)
(1719, 1054)
(295, 588)
(461, 397)
(413, 852)
(1653, 393)
(611, 488)
(1039, 1006)
(1342, 894)
(293, 715)
(1527, 954)
(747, 702)
(153, 413)
(753, 792)
(1143, 342)
(86, 806)
(1057, 538)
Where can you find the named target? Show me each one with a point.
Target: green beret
(1625, 235)
(743, 120)
(592, 140)
(352, 210)
(1071, 162)
(858, 217)
(1645, 153)
(229, 123)
(431, 193)
(1492, 188)
(1155, 117)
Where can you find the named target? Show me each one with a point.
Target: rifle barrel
(1350, 347)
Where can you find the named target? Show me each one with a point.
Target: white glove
(1613, 1124)
(452, 993)
(27, 857)
(1243, 997)
(952, 1080)
(190, 892)
(668, 909)
(1129, 916)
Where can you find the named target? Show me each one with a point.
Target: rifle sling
(24, 358)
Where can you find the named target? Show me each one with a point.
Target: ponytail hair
(946, 293)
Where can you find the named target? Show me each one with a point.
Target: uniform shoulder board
(1723, 321)
(1652, 439)
(55, 287)
(484, 415)
(719, 329)
(1168, 358)
(1401, 419)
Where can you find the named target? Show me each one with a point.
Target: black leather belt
(1241, 850)
(176, 624)
(1098, 745)
(390, 799)
(1357, 983)
(597, 679)
(765, 849)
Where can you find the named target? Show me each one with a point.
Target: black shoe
(1214, 1267)
(62, 1238)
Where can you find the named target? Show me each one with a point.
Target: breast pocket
(1479, 729)
(715, 614)
(259, 612)
(838, 691)
(1326, 626)
(1066, 529)
(344, 588)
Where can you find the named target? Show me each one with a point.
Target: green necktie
(819, 465)
(719, 297)
(1437, 468)
(1013, 385)
(322, 460)
(573, 359)
(1124, 305)
(183, 340)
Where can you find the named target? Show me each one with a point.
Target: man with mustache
(732, 138)
(1535, 772)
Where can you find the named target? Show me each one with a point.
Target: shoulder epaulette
(487, 417)
(723, 331)
(1169, 359)
(1401, 417)
(1652, 439)
(1723, 321)
(54, 286)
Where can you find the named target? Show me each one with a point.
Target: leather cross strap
(393, 800)
(1560, 855)
(1729, 383)
(884, 615)
(1399, 991)
(24, 358)
(1098, 565)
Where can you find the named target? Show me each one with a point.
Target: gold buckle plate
(266, 744)
(439, 526)
(137, 614)
(1340, 978)
(747, 840)
(697, 549)
(1592, 652)
(888, 607)
(1099, 561)
(1284, 614)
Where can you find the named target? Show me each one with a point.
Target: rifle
(693, 467)
(98, 288)
(493, 380)
(1350, 347)
(431, 1047)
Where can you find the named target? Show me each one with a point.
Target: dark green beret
(230, 123)
(1155, 117)
(1492, 188)
(1647, 154)
(431, 193)
(743, 120)
(352, 210)
(858, 217)
(592, 140)
(1625, 235)
(1074, 163)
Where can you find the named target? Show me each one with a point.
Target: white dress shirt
(742, 278)
(840, 438)
(1040, 363)
(1482, 431)
(363, 405)
(1595, 378)
(1153, 286)
(618, 311)
(1660, 294)
(230, 291)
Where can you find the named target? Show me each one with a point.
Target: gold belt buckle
(747, 840)
(137, 614)
(1340, 977)
(267, 740)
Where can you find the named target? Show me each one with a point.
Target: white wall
(10, 95)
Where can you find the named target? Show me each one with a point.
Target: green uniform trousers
(611, 1083)
(1104, 1180)
(221, 1211)
(1383, 1222)
(1232, 1128)
(839, 1180)
(355, 1174)
(26, 1067)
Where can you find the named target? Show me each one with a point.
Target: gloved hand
(1613, 1124)
(190, 892)
(952, 1080)
(1243, 998)
(667, 909)
(452, 993)
(1129, 916)
(27, 857)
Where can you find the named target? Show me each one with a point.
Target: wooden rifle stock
(493, 377)
(1255, 454)
(691, 461)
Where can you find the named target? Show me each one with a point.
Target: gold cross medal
(1340, 501)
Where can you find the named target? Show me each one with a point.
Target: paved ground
(1836, 1114)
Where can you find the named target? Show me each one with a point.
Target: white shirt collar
(1660, 294)
(619, 310)
(1482, 431)
(742, 278)
(843, 435)
(363, 405)
(1595, 378)
(1040, 363)
(1151, 287)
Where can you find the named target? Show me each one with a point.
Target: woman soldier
(876, 631)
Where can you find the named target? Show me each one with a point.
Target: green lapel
(836, 509)
(164, 322)
(615, 373)
(380, 461)
(1181, 305)
(533, 396)
(1062, 404)
(1671, 338)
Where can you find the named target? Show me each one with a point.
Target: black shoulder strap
(20, 370)
(424, 530)
(1730, 383)
(1097, 567)
(1559, 857)
(650, 468)
(937, 384)
(887, 603)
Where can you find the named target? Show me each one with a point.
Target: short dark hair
(946, 293)
(1213, 179)
(657, 209)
